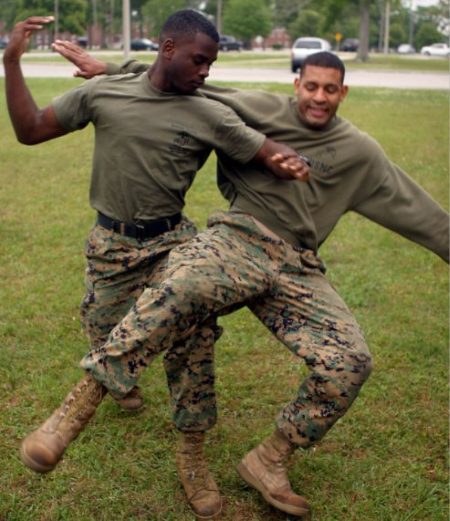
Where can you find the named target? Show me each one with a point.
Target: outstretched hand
(20, 37)
(88, 67)
(293, 166)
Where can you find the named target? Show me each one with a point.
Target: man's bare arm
(31, 124)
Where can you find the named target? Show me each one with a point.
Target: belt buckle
(140, 231)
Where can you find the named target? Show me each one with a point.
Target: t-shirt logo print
(180, 145)
(324, 160)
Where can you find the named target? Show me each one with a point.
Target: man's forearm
(282, 161)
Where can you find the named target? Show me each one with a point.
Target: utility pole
(94, 23)
(56, 26)
(387, 21)
(411, 23)
(219, 16)
(126, 28)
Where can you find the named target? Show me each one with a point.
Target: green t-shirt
(350, 172)
(149, 144)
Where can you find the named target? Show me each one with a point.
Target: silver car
(305, 46)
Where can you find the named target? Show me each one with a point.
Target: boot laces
(196, 469)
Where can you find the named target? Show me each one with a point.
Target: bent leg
(308, 315)
(221, 267)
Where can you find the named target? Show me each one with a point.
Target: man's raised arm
(31, 124)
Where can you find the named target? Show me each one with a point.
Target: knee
(361, 365)
(344, 374)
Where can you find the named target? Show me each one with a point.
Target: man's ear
(167, 48)
(296, 85)
(344, 92)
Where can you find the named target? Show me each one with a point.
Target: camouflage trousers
(119, 269)
(236, 262)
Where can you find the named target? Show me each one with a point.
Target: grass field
(385, 461)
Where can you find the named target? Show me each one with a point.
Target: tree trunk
(364, 30)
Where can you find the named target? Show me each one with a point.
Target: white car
(436, 49)
(305, 46)
(405, 48)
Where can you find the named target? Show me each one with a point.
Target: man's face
(188, 62)
(319, 92)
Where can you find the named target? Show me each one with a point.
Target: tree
(71, 13)
(397, 35)
(307, 23)
(246, 19)
(285, 11)
(426, 34)
(8, 10)
(156, 12)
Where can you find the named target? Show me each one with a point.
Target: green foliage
(308, 23)
(72, 13)
(8, 9)
(246, 19)
(285, 11)
(427, 34)
(155, 12)
(249, 18)
(397, 34)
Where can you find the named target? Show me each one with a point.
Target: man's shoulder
(201, 101)
(365, 145)
(347, 128)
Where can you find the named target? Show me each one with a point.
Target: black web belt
(141, 230)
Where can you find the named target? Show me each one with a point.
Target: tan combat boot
(43, 448)
(264, 469)
(201, 490)
(131, 402)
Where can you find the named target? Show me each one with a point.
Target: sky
(424, 3)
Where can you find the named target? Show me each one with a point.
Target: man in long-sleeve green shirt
(263, 255)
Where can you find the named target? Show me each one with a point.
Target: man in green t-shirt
(153, 132)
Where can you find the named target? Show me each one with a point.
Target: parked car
(305, 46)
(143, 44)
(3, 43)
(83, 41)
(229, 43)
(406, 48)
(349, 45)
(436, 49)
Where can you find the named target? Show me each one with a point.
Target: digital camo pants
(236, 261)
(119, 269)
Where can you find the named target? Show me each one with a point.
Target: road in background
(356, 78)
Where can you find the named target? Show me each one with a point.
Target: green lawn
(385, 461)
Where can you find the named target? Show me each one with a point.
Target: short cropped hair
(325, 59)
(188, 22)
